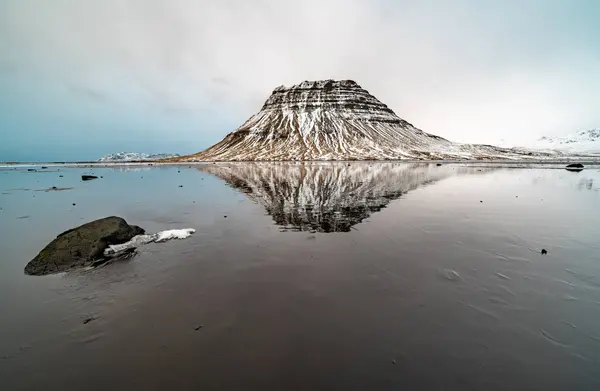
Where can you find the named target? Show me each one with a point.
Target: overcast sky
(81, 78)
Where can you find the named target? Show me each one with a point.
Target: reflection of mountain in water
(328, 197)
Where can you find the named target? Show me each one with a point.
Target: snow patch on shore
(158, 237)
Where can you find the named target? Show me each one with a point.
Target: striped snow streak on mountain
(337, 120)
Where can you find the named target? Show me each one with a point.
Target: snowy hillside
(587, 141)
(134, 156)
(338, 120)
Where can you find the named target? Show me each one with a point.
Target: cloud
(466, 70)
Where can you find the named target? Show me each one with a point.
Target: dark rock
(575, 165)
(88, 320)
(74, 204)
(224, 217)
(198, 327)
(574, 169)
(60, 176)
(81, 246)
(31, 169)
(180, 185)
(44, 167)
(88, 177)
(544, 251)
(439, 164)
(101, 176)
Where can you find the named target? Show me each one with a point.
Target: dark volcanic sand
(372, 276)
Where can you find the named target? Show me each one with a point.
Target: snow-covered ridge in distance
(585, 141)
(135, 156)
(339, 120)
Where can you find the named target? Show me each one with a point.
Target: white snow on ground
(158, 237)
(163, 236)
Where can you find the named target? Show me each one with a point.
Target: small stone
(439, 164)
(54, 187)
(225, 217)
(88, 320)
(394, 362)
(60, 176)
(480, 201)
(88, 177)
(73, 204)
(544, 251)
(198, 327)
(180, 185)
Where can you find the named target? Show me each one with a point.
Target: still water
(319, 276)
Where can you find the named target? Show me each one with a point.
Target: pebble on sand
(544, 251)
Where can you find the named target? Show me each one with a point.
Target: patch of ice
(158, 237)
(163, 236)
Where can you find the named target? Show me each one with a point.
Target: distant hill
(135, 156)
(586, 141)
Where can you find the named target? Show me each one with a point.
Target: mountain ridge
(135, 156)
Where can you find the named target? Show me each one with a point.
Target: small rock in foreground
(88, 177)
(544, 251)
(88, 320)
(81, 246)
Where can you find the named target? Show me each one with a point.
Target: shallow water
(361, 276)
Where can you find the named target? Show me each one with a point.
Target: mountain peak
(335, 120)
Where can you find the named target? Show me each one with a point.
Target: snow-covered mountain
(586, 141)
(329, 196)
(135, 156)
(338, 120)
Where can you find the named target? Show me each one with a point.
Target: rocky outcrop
(336, 120)
(82, 246)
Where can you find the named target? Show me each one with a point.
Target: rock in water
(88, 177)
(81, 246)
(576, 167)
(337, 120)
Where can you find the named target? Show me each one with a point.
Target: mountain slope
(336, 120)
